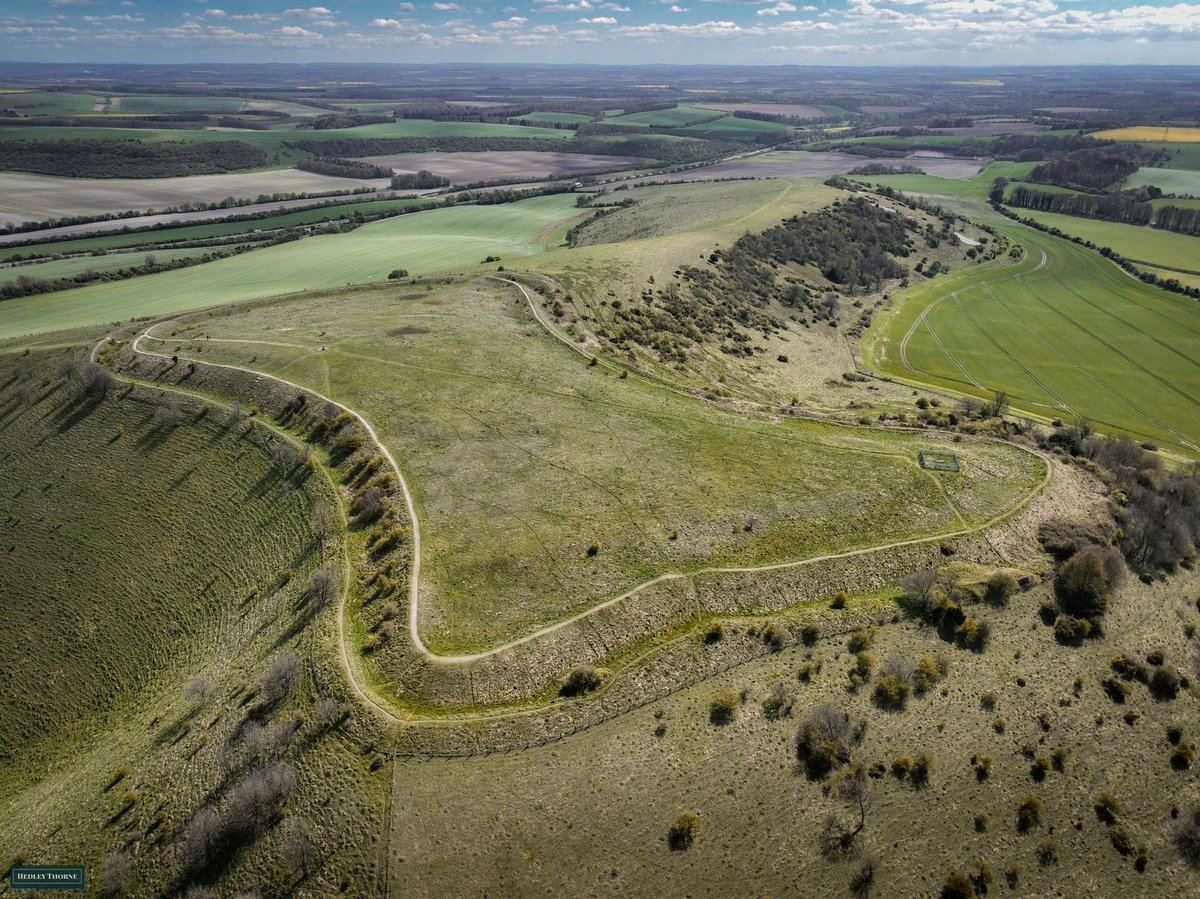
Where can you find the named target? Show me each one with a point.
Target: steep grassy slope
(591, 815)
(151, 542)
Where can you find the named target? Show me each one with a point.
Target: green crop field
(678, 117)
(1065, 333)
(733, 128)
(422, 242)
(158, 104)
(521, 456)
(1181, 181)
(66, 268)
(564, 118)
(1183, 202)
(207, 230)
(1141, 242)
(979, 186)
(50, 103)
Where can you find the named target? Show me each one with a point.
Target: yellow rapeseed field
(1147, 132)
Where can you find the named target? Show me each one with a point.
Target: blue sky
(812, 32)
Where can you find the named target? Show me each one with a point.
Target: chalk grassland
(66, 268)
(793, 110)
(140, 554)
(1141, 242)
(679, 117)
(423, 242)
(1180, 182)
(542, 822)
(1065, 333)
(545, 486)
(50, 103)
(1151, 133)
(29, 197)
(976, 185)
(207, 230)
(467, 168)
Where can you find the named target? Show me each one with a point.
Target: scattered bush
(928, 672)
(1108, 808)
(714, 633)
(1039, 768)
(1164, 682)
(823, 740)
(1187, 839)
(973, 634)
(778, 703)
(1047, 852)
(723, 708)
(861, 640)
(1029, 814)
(958, 886)
(684, 831)
(1121, 840)
(581, 679)
(1115, 690)
(839, 600)
(1183, 757)
(1084, 582)
(809, 634)
(1071, 631)
(919, 773)
(1001, 587)
(891, 692)
(594, 549)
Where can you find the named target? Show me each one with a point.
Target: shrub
(839, 600)
(1183, 757)
(1164, 682)
(901, 766)
(723, 707)
(594, 549)
(684, 831)
(1047, 852)
(981, 822)
(778, 703)
(1038, 769)
(1029, 814)
(921, 768)
(774, 636)
(861, 640)
(891, 692)
(714, 633)
(1071, 631)
(1108, 808)
(1001, 587)
(1121, 840)
(1115, 690)
(581, 679)
(810, 633)
(368, 505)
(983, 768)
(958, 886)
(1083, 583)
(973, 634)
(822, 741)
(929, 671)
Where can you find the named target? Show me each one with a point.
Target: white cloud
(599, 20)
(777, 9)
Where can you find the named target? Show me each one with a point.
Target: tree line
(128, 158)
(1127, 206)
(338, 167)
(1089, 169)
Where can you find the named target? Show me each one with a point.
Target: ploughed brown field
(467, 168)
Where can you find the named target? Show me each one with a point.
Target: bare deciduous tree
(323, 587)
(258, 798)
(116, 874)
(280, 679)
(327, 711)
(300, 849)
(199, 688)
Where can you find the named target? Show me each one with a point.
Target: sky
(816, 32)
